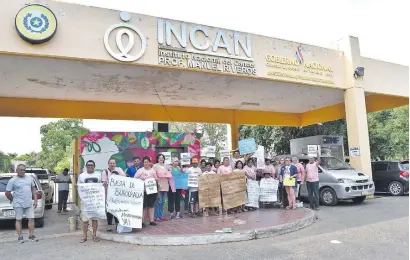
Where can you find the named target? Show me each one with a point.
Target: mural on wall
(124, 146)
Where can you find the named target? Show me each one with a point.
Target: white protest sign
(210, 151)
(252, 190)
(150, 186)
(167, 156)
(312, 150)
(92, 200)
(125, 197)
(193, 180)
(224, 153)
(260, 157)
(268, 190)
(185, 158)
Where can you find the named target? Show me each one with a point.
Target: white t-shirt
(90, 177)
(193, 170)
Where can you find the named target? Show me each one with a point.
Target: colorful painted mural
(124, 146)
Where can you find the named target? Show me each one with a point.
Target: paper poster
(92, 200)
(193, 180)
(125, 197)
(209, 190)
(268, 190)
(210, 151)
(260, 157)
(354, 151)
(252, 191)
(233, 187)
(312, 150)
(167, 156)
(150, 186)
(185, 158)
(247, 146)
(224, 153)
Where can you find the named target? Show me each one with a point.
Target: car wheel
(396, 188)
(39, 222)
(359, 200)
(328, 197)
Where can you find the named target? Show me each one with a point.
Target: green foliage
(5, 163)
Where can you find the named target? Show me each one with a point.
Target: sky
(380, 26)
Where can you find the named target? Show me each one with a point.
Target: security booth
(329, 145)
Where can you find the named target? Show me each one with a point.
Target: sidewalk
(257, 224)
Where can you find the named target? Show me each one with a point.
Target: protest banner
(193, 180)
(150, 186)
(268, 190)
(312, 150)
(247, 146)
(260, 157)
(252, 191)
(167, 156)
(224, 153)
(233, 188)
(210, 151)
(209, 191)
(125, 197)
(92, 200)
(185, 158)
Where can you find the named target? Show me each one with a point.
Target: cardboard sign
(268, 190)
(224, 153)
(193, 180)
(252, 191)
(150, 186)
(167, 157)
(92, 200)
(247, 146)
(185, 158)
(233, 188)
(125, 197)
(354, 151)
(210, 190)
(210, 152)
(312, 150)
(260, 157)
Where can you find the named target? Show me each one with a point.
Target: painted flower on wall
(189, 138)
(93, 136)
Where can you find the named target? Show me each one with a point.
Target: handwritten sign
(167, 156)
(312, 150)
(150, 186)
(224, 153)
(185, 158)
(209, 191)
(193, 180)
(354, 151)
(260, 157)
(92, 200)
(247, 146)
(233, 188)
(268, 190)
(210, 151)
(252, 188)
(125, 197)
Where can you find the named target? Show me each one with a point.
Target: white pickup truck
(43, 175)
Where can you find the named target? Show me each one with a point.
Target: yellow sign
(36, 24)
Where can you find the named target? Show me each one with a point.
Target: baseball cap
(194, 160)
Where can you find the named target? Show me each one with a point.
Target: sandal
(83, 240)
(96, 239)
(287, 207)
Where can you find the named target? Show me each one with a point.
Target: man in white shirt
(63, 179)
(193, 191)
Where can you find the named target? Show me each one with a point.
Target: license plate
(365, 192)
(9, 213)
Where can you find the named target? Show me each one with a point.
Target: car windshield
(3, 183)
(331, 163)
(404, 166)
(41, 174)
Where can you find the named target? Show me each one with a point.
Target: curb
(211, 238)
(45, 236)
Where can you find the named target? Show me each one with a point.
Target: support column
(355, 107)
(234, 136)
(76, 169)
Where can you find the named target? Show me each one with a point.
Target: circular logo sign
(36, 24)
(122, 53)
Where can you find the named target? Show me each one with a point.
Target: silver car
(339, 181)
(6, 208)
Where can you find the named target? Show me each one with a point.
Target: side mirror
(320, 170)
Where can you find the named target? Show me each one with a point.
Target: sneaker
(178, 216)
(59, 211)
(157, 220)
(164, 219)
(153, 223)
(64, 210)
(171, 217)
(20, 240)
(33, 238)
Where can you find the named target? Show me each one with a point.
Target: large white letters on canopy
(125, 198)
(92, 200)
(268, 190)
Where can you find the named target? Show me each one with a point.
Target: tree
(5, 162)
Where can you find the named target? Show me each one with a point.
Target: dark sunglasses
(90, 165)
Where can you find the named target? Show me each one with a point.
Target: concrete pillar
(355, 108)
(234, 136)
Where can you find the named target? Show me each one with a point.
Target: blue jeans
(159, 207)
(313, 193)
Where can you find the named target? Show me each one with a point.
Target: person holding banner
(193, 187)
(89, 177)
(269, 168)
(301, 171)
(149, 200)
(250, 169)
(238, 166)
(217, 163)
(289, 174)
(165, 183)
(225, 168)
(237, 157)
(180, 179)
(203, 165)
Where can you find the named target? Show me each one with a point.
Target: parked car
(391, 177)
(6, 208)
(43, 176)
(339, 181)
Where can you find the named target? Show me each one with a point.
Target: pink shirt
(250, 172)
(144, 174)
(210, 172)
(234, 160)
(105, 177)
(224, 169)
(299, 166)
(312, 172)
(269, 169)
(164, 176)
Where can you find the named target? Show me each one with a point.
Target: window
(3, 183)
(381, 166)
